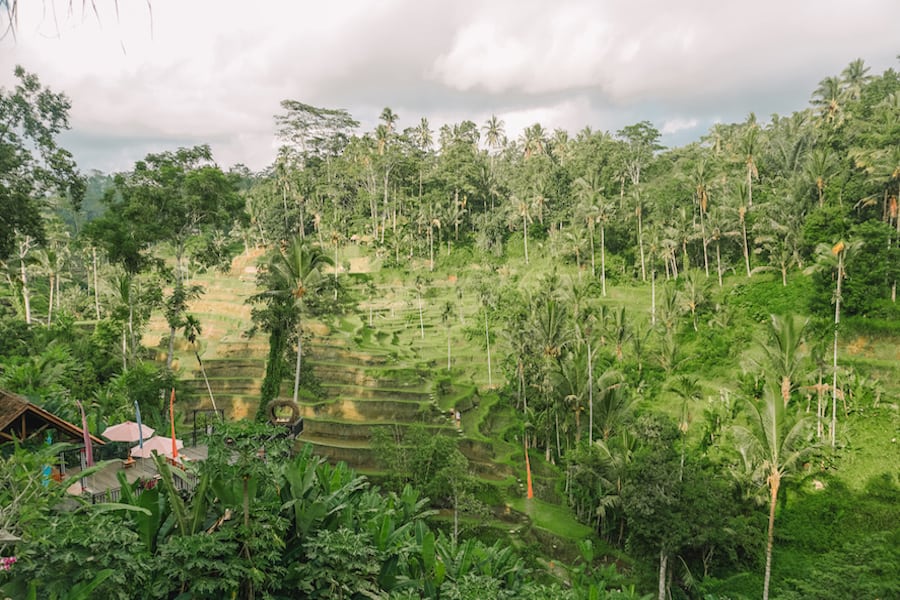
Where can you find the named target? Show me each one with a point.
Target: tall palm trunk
(590, 396)
(837, 321)
(525, 229)
(50, 305)
(774, 483)
(593, 266)
(96, 288)
(299, 359)
(603, 259)
(718, 263)
(641, 243)
(487, 341)
(744, 237)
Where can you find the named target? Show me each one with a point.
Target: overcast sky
(214, 71)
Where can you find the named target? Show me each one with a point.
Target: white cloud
(677, 124)
(215, 70)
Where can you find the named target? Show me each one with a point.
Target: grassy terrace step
(357, 456)
(232, 367)
(400, 378)
(349, 390)
(347, 355)
(340, 431)
(242, 349)
(234, 385)
(371, 410)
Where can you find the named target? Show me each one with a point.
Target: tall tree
(32, 165)
(171, 197)
(292, 276)
(783, 352)
(774, 444)
(832, 259)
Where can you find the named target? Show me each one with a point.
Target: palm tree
(534, 140)
(694, 294)
(522, 209)
(820, 167)
(587, 190)
(192, 331)
(773, 445)
(833, 259)
(749, 149)
(701, 194)
(828, 98)
(295, 272)
(855, 76)
(739, 208)
(639, 215)
(494, 134)
(784, 353)
(716, 224)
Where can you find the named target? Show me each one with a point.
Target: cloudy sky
(181, 72)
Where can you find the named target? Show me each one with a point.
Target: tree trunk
(718, 263)
(774, 482)
(746, 247)
(590, 396)
(430, 248)
(525, 229)
(663, 561)
(603, 260)
(96, 288)
(50, 305)
(487, 341)
(641, 244)
(299, 358)
(705, 252)
(23, 274)
(421, 320)
(837, 321)
(593, 267)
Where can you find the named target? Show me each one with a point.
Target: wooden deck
(103, 486)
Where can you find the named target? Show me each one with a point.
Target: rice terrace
(450, 359)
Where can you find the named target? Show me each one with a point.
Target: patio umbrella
(162, 445)
(129, 431)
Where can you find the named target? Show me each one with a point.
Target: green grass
(554, 518)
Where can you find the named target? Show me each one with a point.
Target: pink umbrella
(162, 445)
(129, 431)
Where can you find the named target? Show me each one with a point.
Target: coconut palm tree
(828, 99)
(820, 166)
(296, 272)
(854, 77)
(833, 259)
(521, 209)
(494, 135)
(783, 354)
(534, 140)
(749, 150)
(739, 207)
(587, 190)
(773, 445)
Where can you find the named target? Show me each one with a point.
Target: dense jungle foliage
(696, 349)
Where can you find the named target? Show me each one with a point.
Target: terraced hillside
(234, 364)
(381, 364)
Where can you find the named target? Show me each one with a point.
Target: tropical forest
(455, 362)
